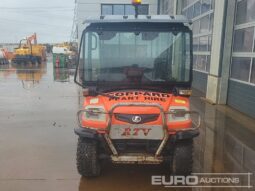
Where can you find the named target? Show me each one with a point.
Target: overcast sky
(50, 19)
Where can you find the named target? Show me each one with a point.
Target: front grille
(136, 146)
(128, 118)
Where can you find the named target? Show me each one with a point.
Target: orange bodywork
(165, 100)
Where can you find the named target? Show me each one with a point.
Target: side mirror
(186, 92)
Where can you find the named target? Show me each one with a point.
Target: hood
(165, 100)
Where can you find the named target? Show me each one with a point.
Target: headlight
(177, 114)
(94, 113)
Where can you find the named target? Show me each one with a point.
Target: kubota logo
(136, 119)
(135, 132)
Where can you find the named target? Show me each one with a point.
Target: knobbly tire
(87, 161)
(183, 157)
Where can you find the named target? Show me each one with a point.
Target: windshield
(135, 57)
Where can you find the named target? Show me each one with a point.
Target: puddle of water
(41, 96)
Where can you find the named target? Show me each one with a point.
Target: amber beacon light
(136, 2)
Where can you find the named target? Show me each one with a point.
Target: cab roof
(141, 18)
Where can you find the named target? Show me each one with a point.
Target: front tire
(183, 157)
(87, 161)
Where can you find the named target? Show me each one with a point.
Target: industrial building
(223, 43)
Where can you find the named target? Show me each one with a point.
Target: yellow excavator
(28, 52)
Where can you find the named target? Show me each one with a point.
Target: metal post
(136, 11)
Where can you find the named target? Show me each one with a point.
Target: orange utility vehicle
(136, 75)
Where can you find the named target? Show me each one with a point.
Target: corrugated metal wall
(242, 97)
(200, 81)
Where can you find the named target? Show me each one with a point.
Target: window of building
(143, 9)
(243, 40)
(184, 3)
(129, 10)
(190, 13)
(245, 11)
(202, 28)
(184, 12)
(206, 6)
(107, 10)
(201, 62)
(240, 68)
(197, 9)
(203, 43)
(195, 44)
(118, 10)
(123, 9)
(196, 27)
(204, 24)
(164, 6)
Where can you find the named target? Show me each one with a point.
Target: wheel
(182, 161)
(87, 158)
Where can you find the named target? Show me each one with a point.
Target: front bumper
(141, 157)
(93, 134)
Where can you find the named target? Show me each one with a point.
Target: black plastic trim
(86, 133)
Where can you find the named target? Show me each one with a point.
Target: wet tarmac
(38, 105)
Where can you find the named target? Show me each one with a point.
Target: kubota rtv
(136, 73)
